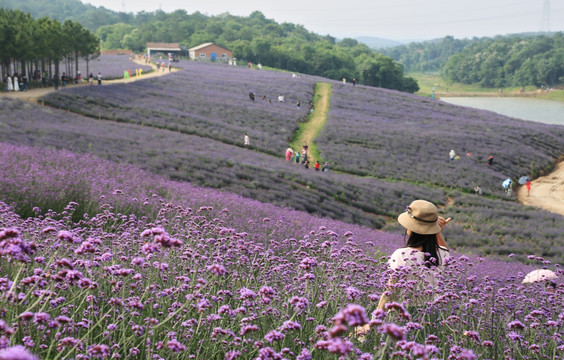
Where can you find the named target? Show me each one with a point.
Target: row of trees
(258, 39)
(513, 60)
(509, 61)
(28, 44)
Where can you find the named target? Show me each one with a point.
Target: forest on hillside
(515, 60)
(252, 38)
(36, 47)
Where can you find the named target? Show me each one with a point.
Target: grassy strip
(309, 130)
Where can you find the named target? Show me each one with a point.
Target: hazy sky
(390, 19)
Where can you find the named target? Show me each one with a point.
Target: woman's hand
(443, 222)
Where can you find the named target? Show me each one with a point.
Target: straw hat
(421, 217)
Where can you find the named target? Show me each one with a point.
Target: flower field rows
(402, 136)
(208, 100)
(199, 274)
(492, 224)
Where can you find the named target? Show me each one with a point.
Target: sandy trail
(33, 95)
(547, 192)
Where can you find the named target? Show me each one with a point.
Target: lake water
(544, 111)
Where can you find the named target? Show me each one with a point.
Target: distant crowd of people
(507, 184)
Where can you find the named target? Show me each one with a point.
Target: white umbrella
(539, 275)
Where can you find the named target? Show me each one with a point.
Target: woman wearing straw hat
(423, 256)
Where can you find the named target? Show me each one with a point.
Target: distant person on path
(490, 160)
(5, 83)
(91, 78)
(325, 168)
(306, 164)
(298, 104)
(99, 76)
(424, 255)
(451, 155)
(528, 186)
(24, 82)
(9, 85)
(354, 81)
(16, 81)
(478, 190)
(289, 153)
(317, 166)
(252, 96)
(247, 141)
(297, 157)
(56, 81)
(304, 154)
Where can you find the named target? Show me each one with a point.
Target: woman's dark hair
(429, 245)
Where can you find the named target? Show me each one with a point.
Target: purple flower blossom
(17, 352)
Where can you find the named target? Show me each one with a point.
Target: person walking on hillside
(297, 157)
(317, 166)
(289, 153)
(247, 141)
(490, 160)
(99, 77)
(423, 256)
(528, 186)
(325, 168)
(451, 155)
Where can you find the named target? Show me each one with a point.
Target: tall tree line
(257, 39)
(43, 44)
(511, 60)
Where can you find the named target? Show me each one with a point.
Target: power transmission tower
(545, 21)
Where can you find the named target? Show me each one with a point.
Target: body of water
(544, 111)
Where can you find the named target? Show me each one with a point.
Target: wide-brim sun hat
(539, 275)
(421, 217)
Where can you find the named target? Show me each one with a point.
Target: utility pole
(545, 21)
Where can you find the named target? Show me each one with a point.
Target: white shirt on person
(415, 260)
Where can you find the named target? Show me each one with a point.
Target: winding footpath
(33, 95)
(547, 192)
(310, 129)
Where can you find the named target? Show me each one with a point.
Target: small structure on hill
(167, 48)
(210, 52)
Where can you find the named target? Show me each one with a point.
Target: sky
(389, 19)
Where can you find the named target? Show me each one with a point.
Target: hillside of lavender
(398, 144)
(387, 134)
(362, 200)
(161, 269)
(209, 100)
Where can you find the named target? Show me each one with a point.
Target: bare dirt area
(33, 95)
(547, 192)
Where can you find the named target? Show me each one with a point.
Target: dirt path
(311, 129)
(34, 94)
(547, 192)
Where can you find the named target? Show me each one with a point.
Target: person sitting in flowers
(424, 255)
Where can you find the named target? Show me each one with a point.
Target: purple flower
(175, 346)
(17, 352)
(394, 331)
(352, 315)
(274, 335)
(516, 324)
(99, 351)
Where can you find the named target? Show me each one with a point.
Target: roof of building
(205, 45)
(167, 46)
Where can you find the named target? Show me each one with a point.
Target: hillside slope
(492, 224)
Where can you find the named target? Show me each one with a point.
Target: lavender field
(209, 100)
(220, 281)
(210, 163)
(211, 160)
(401, 136)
